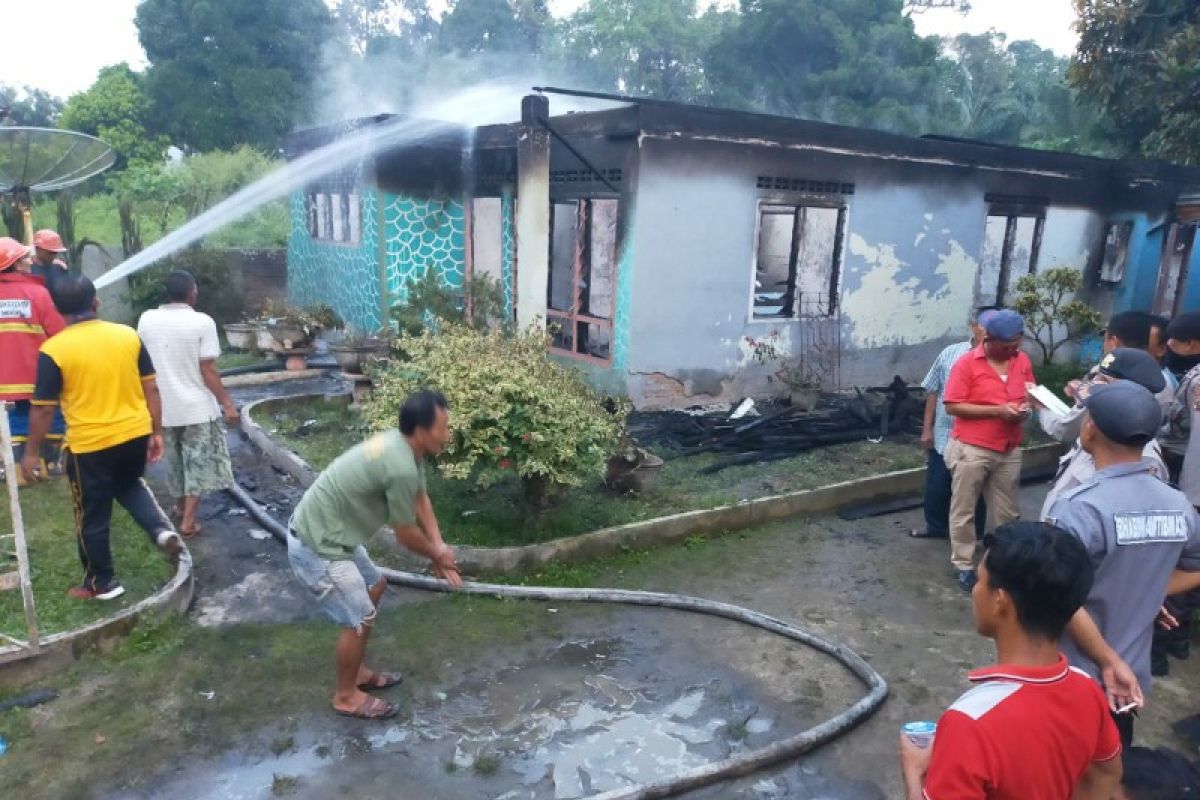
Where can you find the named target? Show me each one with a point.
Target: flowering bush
(514, 410)
(801, 373)
(764, 351)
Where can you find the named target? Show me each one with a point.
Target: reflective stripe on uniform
(22, 327)
(16, 388)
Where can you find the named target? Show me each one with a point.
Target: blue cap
(1125, 412)
(1003, 324)
(1128, 364)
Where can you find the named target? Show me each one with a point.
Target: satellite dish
(47, 160)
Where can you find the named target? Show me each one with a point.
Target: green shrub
(219, 282)
(514, 409)
(1055, 376)
(429, 299)
(1053, 314)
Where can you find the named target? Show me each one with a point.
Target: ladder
(31, 645)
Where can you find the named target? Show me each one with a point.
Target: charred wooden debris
(779, 431)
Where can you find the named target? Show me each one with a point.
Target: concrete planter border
(60, 649)
(650, 532)
(267, 378)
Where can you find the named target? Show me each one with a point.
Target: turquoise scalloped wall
(345, 277)
(423, 234)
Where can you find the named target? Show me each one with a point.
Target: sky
(89, 34)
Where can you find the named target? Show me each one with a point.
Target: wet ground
(586, 699)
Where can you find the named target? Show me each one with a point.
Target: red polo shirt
(972, 380)
(1021, 734)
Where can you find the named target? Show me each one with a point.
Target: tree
(649, 48)
(29, 106)
(920, 6)
(207, 178)
(857, 62)
(1053, 314)
(116, 109)
(227, 72)
(364, 22)
(980, 83)
(1139, 60)
(495, 27)
(152, 191)
(1055, 115)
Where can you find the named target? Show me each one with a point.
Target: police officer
(1122, 364)
(1136, 528)
(1127, 330)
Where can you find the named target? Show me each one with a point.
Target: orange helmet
(11, 251)
(47, 239)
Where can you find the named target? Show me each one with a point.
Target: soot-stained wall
(908, 271)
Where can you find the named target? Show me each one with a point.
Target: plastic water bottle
(920, 733)
(3, 745)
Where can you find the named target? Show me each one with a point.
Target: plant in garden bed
(514, 409)
(497, 516)
(1053, 315)
(479, 304)
(803, 376)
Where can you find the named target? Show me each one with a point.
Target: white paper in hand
(1050, 400)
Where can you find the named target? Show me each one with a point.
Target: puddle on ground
(580, 718)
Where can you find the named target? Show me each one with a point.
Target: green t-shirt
(373, 484)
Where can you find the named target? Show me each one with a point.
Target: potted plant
(803, 383)
(240, 335)
(354, 352)
(293, 329)
(632, 469)
(802, 378)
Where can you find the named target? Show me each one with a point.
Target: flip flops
(371, 708)
(380, 681)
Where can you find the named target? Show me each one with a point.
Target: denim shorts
(339, 585)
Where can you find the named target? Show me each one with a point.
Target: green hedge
(220, 284)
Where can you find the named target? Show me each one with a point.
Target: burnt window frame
(838, 202)
(573, 317)
(1114, 277)
(351, 232)
(1171, 239)
(1014, 208)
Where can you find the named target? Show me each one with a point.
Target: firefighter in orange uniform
(27, 318)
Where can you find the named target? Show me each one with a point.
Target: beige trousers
(975, 471)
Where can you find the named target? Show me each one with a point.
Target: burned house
(659, 240)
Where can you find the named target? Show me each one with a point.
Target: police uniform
(1137, 530)
(1077, 466)
(1181, 421)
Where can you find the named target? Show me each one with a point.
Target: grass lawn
(54, 562)
(230, 359)
(319, 431)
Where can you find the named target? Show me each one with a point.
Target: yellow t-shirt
(95, 369)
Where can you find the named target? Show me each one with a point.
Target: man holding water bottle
(1032, 728)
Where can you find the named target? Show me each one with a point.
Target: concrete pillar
(533, 211)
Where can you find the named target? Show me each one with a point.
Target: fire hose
(715, 772)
